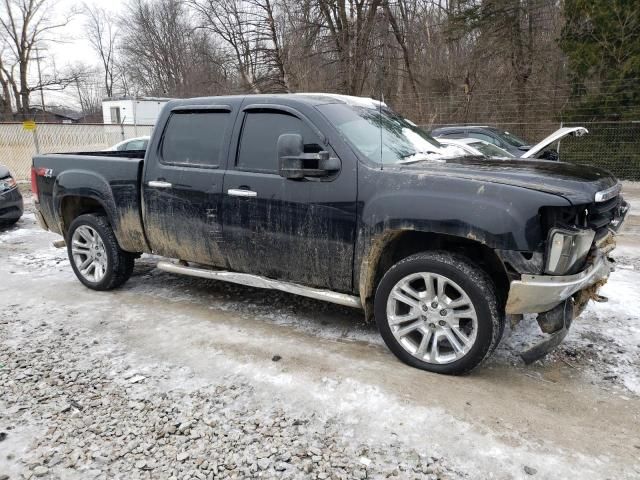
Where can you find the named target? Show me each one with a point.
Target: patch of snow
(618, 322)
(13, 234)
(349, 99)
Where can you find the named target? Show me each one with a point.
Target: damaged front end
(575, 265)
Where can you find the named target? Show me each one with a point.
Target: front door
(301, 231)
(182, 189)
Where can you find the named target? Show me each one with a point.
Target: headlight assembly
(7, 183)
(567, 248)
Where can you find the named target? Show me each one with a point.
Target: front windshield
(382, 135)
(512, 139)
(490, 150)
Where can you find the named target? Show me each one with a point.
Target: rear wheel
(94, 253)
(438, 311)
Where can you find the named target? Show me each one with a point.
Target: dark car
(11, 205)
(340, 199)
(502, 138)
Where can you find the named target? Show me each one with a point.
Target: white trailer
(132, 110)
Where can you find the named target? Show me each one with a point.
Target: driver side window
(257, 150)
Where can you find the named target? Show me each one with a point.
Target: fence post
(35, 140)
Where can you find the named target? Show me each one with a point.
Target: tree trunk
(24, 87)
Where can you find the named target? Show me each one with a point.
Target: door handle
(159, 184)
(240, 192)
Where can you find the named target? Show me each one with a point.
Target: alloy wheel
(432, 317)
(89, 253)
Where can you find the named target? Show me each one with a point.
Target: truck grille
(600, 215)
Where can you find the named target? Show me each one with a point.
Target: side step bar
(263, 282)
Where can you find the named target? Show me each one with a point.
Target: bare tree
(275, 52)
(102, 34)
(6, 83)
(25, 24)
(350, 24)
(400, 22)
(165, 55)
(87, 82)
(249, 28)
(513, 37)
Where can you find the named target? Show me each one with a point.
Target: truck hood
(577, 183)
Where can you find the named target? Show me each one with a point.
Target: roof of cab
(283, 98)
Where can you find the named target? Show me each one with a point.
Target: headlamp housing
(567, 249)
(7, 183)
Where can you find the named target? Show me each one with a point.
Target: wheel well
(72, 207)
(406, 243)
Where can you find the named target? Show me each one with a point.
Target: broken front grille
(601, 216)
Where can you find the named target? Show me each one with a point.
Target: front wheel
(438, 311)
(94, 253)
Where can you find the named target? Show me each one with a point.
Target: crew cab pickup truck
(341, 199)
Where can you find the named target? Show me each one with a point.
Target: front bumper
(540, 293)
(11, 205)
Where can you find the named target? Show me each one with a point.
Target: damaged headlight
(7, 183)
(567, 248)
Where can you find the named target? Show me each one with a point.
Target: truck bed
(112, 179)
(110, 153)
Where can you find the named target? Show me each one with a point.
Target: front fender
(498, 216)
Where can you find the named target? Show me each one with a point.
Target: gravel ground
(97, 417)
(176, 377)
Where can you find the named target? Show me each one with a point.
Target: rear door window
(195, 138)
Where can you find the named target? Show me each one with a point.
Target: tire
(9, 223)
(473, 319)
(101, 246)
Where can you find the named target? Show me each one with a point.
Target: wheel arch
(77, 192)
(72, 206)
(392, 246)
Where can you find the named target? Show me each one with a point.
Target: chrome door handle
(239, 192)
(159, 184)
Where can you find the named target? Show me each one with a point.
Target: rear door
(301, 231)
(183, 184)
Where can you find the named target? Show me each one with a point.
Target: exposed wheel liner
(119, 263)
(477, 284)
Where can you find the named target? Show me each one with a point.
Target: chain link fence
(18, 146)
(614, 146)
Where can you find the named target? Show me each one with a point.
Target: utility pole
(40, 78)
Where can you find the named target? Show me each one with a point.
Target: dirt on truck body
(341, 199)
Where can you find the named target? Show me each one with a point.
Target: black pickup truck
(341, 199)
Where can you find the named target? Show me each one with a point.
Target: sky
(69, 46)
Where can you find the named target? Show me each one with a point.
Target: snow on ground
(617, 323)
(147, 359)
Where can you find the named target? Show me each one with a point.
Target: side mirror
(293, 163)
